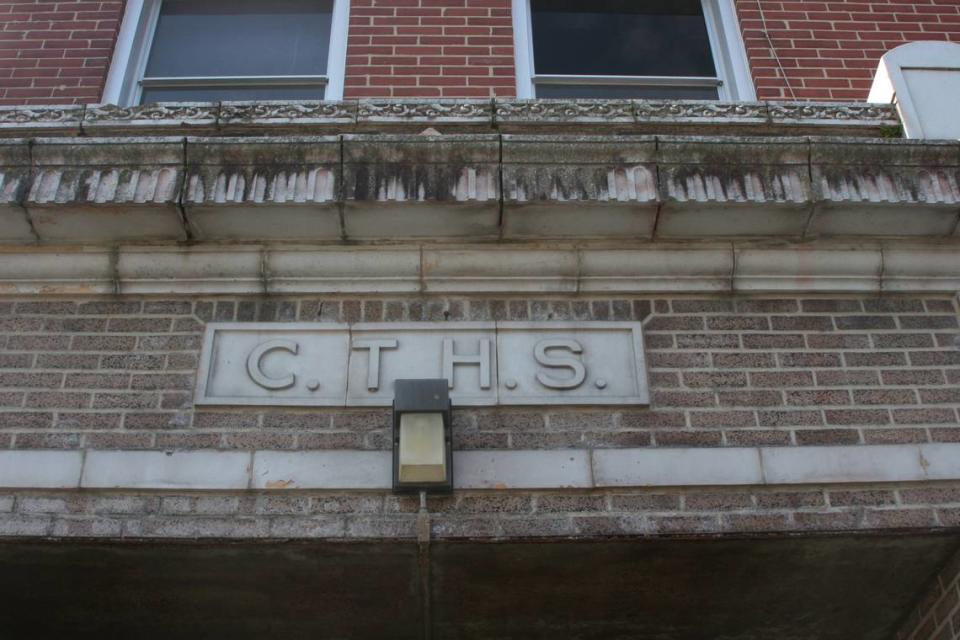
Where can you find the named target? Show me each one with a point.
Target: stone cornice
(474, 187)
(514, 269)
(651, 116)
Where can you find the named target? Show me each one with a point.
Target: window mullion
(152, 15)
(718, 46)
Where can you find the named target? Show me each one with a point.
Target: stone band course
(711, 268)
(501, 470)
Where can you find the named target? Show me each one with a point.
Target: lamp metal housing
(422, 436)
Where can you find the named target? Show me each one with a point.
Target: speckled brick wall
(724, 372)
(502, 514)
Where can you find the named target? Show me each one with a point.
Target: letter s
(560, 362)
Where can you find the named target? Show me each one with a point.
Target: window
(673, 49)
(209, 50)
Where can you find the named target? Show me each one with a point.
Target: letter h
(481, 359)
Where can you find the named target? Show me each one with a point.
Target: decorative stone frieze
(106, 189)
(426, 113)
(733, 187)
(14, 182)
(526, 113)
(286, 113)
(41, 119)
(579, 187)
(421, 186)
(867, 185)
(110, 119)
(269, 188)
(700, 111)
(832, 113)
(478, 115)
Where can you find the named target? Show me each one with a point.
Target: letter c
(255, 359)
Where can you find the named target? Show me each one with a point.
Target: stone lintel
(204, 469)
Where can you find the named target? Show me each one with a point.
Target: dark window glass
(241, 38)
(210, 94)
(621, 38)
(602, 91)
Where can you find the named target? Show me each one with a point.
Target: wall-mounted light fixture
(422, 449)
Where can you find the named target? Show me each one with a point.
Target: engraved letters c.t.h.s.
(485, 363)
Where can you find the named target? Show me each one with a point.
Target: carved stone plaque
(485, 363)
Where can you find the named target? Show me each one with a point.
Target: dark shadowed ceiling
(823, 588)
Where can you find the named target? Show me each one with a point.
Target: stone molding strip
(469, 188)
(730, 267)
(202, 470)
(853, 118)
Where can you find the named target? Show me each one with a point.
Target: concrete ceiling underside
(823, 588)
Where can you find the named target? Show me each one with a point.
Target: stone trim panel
(205, 469)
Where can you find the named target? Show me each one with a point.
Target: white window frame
(124, 80)
(733, 81)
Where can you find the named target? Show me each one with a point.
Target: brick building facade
(790, 261)
(59, 52)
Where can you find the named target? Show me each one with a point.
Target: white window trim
(136, 37)
(726, 43)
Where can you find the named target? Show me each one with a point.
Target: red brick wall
(830, 50)
(55, 52)
(59, 51)
(430, 49)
